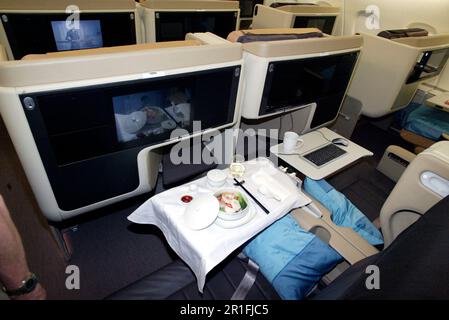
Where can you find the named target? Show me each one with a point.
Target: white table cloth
(203, 249)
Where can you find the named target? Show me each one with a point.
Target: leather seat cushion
(176, 281)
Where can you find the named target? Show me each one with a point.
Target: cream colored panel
(410, 194)
(3, 56)
(117, 49)
(205, 38)
(34, 72)
(392, 168)
(189, 4)
(430, 42)
(314, 140)
(303, 46)
(335, 3)
(306, 10)
(140, 29)
(42, 5)
(5, 43)
(266, 17)
(344, 240)
(382, 71)
(22, 138)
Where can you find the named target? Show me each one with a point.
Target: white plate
(231, 224)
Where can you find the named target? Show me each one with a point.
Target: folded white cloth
(202, 250)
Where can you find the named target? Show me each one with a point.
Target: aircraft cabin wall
(430, 14)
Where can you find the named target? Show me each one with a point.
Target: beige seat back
(381, 70)
(115, 67)
(3, 56)
(422, 185)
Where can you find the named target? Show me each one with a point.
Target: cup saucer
(290, 151)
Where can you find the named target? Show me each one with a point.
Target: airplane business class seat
(423, 58)
(419, 250)
(414, 266)
(423, 125)
(177, 282)
(414, 228)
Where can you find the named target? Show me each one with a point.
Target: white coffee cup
(292, 141)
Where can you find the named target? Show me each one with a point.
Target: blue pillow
(292, 259)
(425, 121)
(344, 213)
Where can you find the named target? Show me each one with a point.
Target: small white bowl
(216, 178)
(237, 215)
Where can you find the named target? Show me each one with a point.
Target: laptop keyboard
(324, 154)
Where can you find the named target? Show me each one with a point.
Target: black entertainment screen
(37, 33)
(325, 24)
(322, 80)
(89, 137)
(91, 122)
(172, 26)
(150, 113)
(86, 35)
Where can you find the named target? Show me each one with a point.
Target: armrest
(394, 162)
(344, 240)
